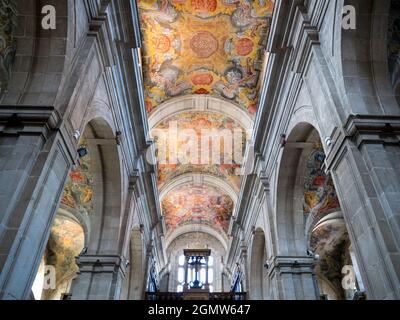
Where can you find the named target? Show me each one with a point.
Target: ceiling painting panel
(78, 191)
(200, 142)
(197, 204)
(204, 47)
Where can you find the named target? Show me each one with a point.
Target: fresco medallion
(204, 44)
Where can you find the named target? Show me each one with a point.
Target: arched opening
(289, 194)
(196, 240)
(58, 267)
(107, 188)
(325, 228)
(88, 218)
(310, 220)
(258, 273)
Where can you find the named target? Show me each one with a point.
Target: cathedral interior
(199, 149)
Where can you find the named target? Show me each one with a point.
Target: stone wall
(335, 81)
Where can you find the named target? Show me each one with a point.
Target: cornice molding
(292, 265)
(101, 264)
(373, 129)
(30, 116)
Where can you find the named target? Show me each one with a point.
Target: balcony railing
(164, 296)
(215, 296)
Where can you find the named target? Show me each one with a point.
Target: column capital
(373, 129)
(133, 179)
(101, 264)
(360, 130)
(292, 265)
(28, 118)
(264, 181)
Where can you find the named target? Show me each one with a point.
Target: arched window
(191, 274)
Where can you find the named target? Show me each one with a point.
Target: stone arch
(196, 239)
(258, 278)
(197, 228)
(91, 200)
(200, 103)
(202, 178)
(364, 60)
(308, 213)
(289, 193)
(41, 56)
(107, 187)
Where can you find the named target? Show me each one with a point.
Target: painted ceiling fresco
(65, 243)
(201, 204)
(331, 242)
(78, 191)
(320, 196)
(202, 125)
(204, 47)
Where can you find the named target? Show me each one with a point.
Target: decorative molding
(292, 265)
(29, 116)
(101, 264)
(373, 129)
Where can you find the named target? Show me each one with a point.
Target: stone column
(102, 276)
(35, 159)
(293, 278)
(99, 277)
(245, 263)
(365, 166)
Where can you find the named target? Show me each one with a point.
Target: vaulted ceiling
(209, 48)
(197, 204)
(204, 47)
(200, 124)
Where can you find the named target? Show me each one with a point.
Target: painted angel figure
(165, 15)
(243, 18)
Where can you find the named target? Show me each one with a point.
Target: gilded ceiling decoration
(204, 47)
(199, 126)
(201, 204)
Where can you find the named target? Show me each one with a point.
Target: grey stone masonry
(99, 278)
(293, 278)
(35, 161)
